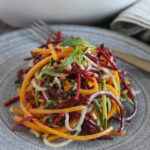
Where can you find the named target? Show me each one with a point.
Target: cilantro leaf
(70, 60)
(76, 41)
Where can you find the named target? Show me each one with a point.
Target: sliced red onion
(110, 94)
(130, 117)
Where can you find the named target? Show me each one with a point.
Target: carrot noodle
(28, 124)
(65, 110)
(54, 55)
(21, 122)
(18, 91)
(117, 133)
(15, 110)
(63, 91)
(90, 91)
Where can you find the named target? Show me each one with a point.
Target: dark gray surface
(3, 27)
(15, 46)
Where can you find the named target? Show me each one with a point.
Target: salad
(72, 86)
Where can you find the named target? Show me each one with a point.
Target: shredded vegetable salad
(72, 86)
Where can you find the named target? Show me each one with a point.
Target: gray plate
(17, 45)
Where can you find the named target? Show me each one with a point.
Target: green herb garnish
(77, 52)
(76, 41)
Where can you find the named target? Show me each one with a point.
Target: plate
(17, 45)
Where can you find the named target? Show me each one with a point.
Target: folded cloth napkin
(135, 20)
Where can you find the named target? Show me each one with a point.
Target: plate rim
(146, 45)
(79, 26)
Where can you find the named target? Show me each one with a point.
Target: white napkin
(135, 20)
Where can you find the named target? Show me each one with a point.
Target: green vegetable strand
(51, 118)
(108, 103)
(36, 98)
(127, 99)
(97, 108)
(115, 84)
(60, 69)
(77, 52)
(104, 105)
(49, 105)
